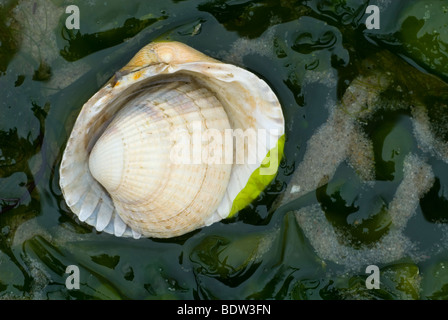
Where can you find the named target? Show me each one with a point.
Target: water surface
(309, 52)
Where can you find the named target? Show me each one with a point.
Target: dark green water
(309, 52)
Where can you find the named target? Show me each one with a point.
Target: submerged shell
(119, 172)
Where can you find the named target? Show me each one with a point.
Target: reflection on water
(363, 179)
(81, 45)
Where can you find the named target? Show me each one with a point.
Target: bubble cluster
(418, 178)
(40, 279)
(38, 22)
(342, 139)
(242, 47)
(424, 134)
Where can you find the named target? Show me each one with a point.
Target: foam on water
(40, 280)
(361, 156)
(329, 245)
(39, 23)
(417, 180)
(339, 139)
(424, 135)
(326, 149)
(327, 78)
(242, 47)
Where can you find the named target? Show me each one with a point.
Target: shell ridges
(118, 172)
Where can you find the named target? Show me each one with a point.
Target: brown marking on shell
(165, 53)
(137, 75)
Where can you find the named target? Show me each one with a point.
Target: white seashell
(119, 171)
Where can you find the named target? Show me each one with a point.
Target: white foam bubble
(361, 156)
(325, 151)
(329, 245)
(40, 277)
(327, 78)
(424, 135)
(417, 179)
(339, 139)
(262, 46)
(39, 22)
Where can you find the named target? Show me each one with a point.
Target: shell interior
(117, 172)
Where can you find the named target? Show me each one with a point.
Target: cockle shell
(119, 171)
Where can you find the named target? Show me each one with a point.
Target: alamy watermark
(73, 20)
(373, 280)
(201, 145)
(373, 20)
(72, 281)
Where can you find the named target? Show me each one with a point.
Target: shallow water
(309, 52)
